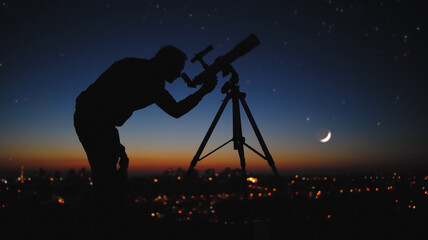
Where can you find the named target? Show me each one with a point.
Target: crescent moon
(324, 140)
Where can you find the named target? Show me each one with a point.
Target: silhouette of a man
(129, 84)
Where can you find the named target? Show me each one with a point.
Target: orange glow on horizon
(158, 161)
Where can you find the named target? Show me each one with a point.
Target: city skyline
(354, 69)
(380, 205)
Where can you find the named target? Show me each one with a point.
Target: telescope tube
(221, 63)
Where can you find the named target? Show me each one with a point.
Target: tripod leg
(269, 158)
(238, 139)
(197, 156)
(243, 167)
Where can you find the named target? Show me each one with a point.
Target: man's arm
(177, 109)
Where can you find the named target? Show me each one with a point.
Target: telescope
(237, 98)
(221, 63)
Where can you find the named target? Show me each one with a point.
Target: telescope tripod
(234, 94)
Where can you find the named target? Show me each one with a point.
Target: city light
(61, 200)
(214, 203)
(252, 179)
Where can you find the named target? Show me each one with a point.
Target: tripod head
(221, 63)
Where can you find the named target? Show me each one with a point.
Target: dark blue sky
(355, 68)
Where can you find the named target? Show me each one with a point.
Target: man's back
(128, 85)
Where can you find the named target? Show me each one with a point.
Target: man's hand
(209, 85)
(124, 161)
(122, 174)
(123, 164)
(123, 168)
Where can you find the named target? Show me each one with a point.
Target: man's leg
(100, 144)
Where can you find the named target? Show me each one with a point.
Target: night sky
(354, 68)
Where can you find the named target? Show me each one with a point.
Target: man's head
(171, 61)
